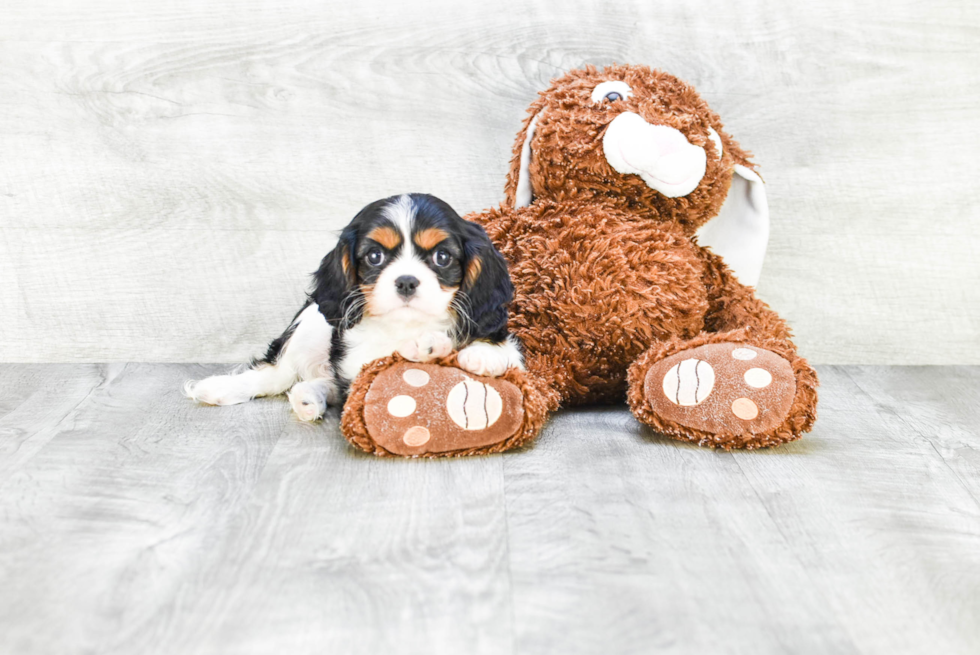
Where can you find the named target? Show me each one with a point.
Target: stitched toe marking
(689, 382)
(474, 405)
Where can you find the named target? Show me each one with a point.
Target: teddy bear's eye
(611, 91)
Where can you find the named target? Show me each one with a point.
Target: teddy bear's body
(619, 179)
(595, 287)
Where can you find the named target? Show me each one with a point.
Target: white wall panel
(171, 172)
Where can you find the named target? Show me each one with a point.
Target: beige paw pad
(745, 409)
(401, 406)
(757, 378)
(688, 383)
(474, 405)
(416, 377)
(744, 354)
(416, 436)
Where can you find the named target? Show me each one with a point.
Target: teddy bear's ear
(523, 193)
(739, 233)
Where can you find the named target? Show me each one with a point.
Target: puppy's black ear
(486, 290)
(335, 282)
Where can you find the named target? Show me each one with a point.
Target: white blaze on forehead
(660, 155)
(401, 212)
(605, 88)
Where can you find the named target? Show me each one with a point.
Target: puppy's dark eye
(375, 257)
(441, 258)
(613, 96)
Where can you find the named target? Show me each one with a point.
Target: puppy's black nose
(406, 285)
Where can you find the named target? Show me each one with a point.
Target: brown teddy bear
(619, 180)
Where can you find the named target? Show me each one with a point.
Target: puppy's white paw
(489, 359)
(217, 390)
(430, 345)
(308, 400)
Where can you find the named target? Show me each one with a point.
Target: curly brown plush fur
(569, 163)
(609, 278)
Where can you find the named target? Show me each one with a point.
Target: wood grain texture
(838, 543)
(143, 523)
(45, 395)
(172, 172)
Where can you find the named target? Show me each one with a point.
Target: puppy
(408, 275)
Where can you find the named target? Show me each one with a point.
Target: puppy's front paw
(430, 345)
(491, 360)
(308, 400)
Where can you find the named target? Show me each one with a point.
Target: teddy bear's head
(645, 141)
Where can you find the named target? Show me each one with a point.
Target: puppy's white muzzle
(660, 155)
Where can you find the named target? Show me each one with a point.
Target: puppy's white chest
(374, 338)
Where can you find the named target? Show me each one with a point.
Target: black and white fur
(373, 298)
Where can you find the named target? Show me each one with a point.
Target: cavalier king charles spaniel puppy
(408, 275)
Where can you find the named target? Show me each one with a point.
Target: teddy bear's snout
(661, 155)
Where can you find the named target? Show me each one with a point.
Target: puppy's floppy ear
(336, 279)
(486, 288)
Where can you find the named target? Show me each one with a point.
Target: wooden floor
(133, 521)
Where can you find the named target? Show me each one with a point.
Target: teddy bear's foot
(733, 395)
(410, 409)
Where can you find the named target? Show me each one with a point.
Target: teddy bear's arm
(734, 306)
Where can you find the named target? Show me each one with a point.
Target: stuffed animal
(634, 227)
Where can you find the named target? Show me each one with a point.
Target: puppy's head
(412, 258)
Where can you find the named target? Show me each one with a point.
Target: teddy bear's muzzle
(660, 155)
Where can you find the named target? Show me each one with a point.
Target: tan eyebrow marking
(386, 236)
(430, 237)
(473, 270)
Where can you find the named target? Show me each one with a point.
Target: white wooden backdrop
(171, 172)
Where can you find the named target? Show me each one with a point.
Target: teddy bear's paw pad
(412, 409)
(722, 388)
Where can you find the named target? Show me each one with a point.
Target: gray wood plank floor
(133, 521)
